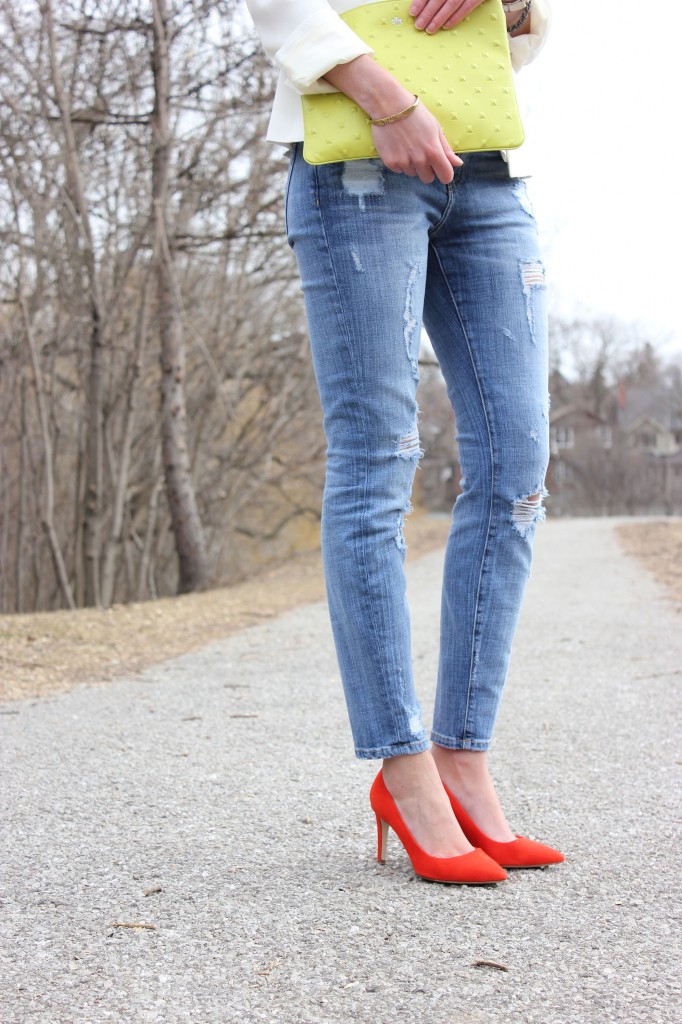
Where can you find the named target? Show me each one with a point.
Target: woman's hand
(432, 15)
(416, 146)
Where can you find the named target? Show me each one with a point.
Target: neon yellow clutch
(463, 75)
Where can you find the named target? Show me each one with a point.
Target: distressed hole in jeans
(521, 193)
(357, 261)
(532, 277)
(411, 323)
(407, 446)
(415, 724)
(363, 178)
(528, 511)
(399, 537)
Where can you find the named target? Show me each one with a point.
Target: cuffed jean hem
(451, 743)
(371, 754)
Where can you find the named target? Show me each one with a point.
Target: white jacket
(307, 38)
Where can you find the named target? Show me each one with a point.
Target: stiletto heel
(382, 839)
(474, 868)
(517, 853)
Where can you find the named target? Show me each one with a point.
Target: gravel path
(217, 799)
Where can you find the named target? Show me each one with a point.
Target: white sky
(605, 122)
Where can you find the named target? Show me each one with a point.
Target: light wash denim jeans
(378, 252)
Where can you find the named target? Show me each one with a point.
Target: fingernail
(420, 22)
(414, 8)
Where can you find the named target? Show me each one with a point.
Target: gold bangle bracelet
(379, 122)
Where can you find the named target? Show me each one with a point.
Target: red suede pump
(475, 868)
(517, 853)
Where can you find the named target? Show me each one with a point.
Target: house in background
(580, 444)
(626, 460)
(651, 420)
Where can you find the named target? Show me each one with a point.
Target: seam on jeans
(394, 749)
(486, 549)
(457, 743)
(446, 209)
(365, 430)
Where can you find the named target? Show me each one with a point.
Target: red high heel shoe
(517, 853)
(474, 868)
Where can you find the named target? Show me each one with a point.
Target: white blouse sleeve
(525, 48)
(305, 39)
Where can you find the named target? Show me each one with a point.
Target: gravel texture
(216, 798)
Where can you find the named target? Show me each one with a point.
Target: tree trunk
(113, 545)
(20, 584)
(187, 528)
(48, 514)
(94, 444)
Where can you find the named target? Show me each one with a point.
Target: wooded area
(160, 427)
(160, 430)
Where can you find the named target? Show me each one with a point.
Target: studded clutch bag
(463, 75)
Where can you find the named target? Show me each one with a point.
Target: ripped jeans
(379, 253)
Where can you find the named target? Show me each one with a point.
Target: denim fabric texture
(379, 254)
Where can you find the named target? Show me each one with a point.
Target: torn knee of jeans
(407, 446)
(528, 511)
(399, 536)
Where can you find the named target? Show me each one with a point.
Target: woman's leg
(360, 235)
(360, 238)
(485, 312)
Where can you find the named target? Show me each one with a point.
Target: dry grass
(50, 652)
(658, 544)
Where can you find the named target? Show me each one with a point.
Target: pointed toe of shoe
(517, 853)
(475, 868)
(523, 853)
(527, 853)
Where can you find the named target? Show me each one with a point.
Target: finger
(437, 13)
(450, 154)
(433, 10)
(435, 163)
(426, 175)
(456, 18)
(444, 168)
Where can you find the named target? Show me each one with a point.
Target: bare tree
(187, 528)
(119, 289)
